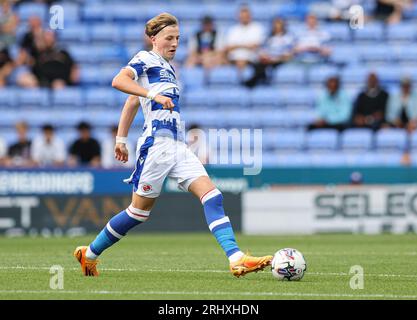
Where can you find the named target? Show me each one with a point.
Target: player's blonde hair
(156, 24)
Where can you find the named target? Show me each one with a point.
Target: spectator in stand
(8, 26)
(31, 41)
(3, 152)
(244, 39)
(54, 67)
(371, 104)
(311, 43)
(391, 11)
(47, 149)
(197, 142)
(334, 107)
(19, 154)
(85, 151)
(277, 50)
(204, 47)
(108, 159)
(402, 107)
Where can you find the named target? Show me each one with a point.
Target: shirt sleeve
(137, 66)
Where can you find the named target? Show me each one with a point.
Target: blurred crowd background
(328, 85)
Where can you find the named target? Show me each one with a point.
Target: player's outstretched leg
(220, 226)
(115, 229)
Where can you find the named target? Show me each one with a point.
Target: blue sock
(219, 224)
(117, 228)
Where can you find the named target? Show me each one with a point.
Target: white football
(288, 264)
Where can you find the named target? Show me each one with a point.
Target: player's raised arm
(125, 82)
(129, 111)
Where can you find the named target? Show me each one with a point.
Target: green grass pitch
(192, 266)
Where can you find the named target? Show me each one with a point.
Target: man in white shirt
(47, 149)
(244, 39)
(311, 45)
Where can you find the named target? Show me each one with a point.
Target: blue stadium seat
(413, 141)
(267, 117)
(123, 13)
(301, 96)
(103, 32)
(344, 54)
(9, 118)
(389, 158)
(100, 97)
(322, 139)
(33, 98)
(301, 117)
(93, 12)
(405, 53)
(197, 98)
(265, 97)
(285, 140)
(357, 139)
(8, 98)
(72, 13)
(391, 74)
(67, 98)
(236, 118)
(375, 53)
(372, 31)
(223, 76)
(187, 12)
(192, 78)
(327, 159)
(75, 33)
(289, 74)
(296, 159)
(132, 32)
(233, 96)
(269, 159)
(404, 31)
(320, 73)
(338, 31)
(27, 10)
(81, 53)
(391, 139)
(89, 75)
(355, 74)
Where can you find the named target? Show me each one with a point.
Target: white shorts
(159, 157)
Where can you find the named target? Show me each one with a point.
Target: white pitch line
(343, 274)
(203, 293)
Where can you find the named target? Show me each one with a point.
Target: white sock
(236, 256)
(90, 254)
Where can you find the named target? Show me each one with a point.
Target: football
(288, 264)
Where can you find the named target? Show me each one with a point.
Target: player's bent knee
(138, 214)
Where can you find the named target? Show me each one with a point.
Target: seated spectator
(48, 149)
(19, 154)
(277, 50)
(54, 67)
(402, 107)
(204, 47)
(391, 11)
(370, 106)
(108, 159)
(3, 152)
(8, 26)
(197, 142)
(333, 107)
(311, 42)
(244, 39)
(85, 151)
(29, 52)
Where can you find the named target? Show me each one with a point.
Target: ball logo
(146, 188)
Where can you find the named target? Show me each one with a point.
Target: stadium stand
(102, 36)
